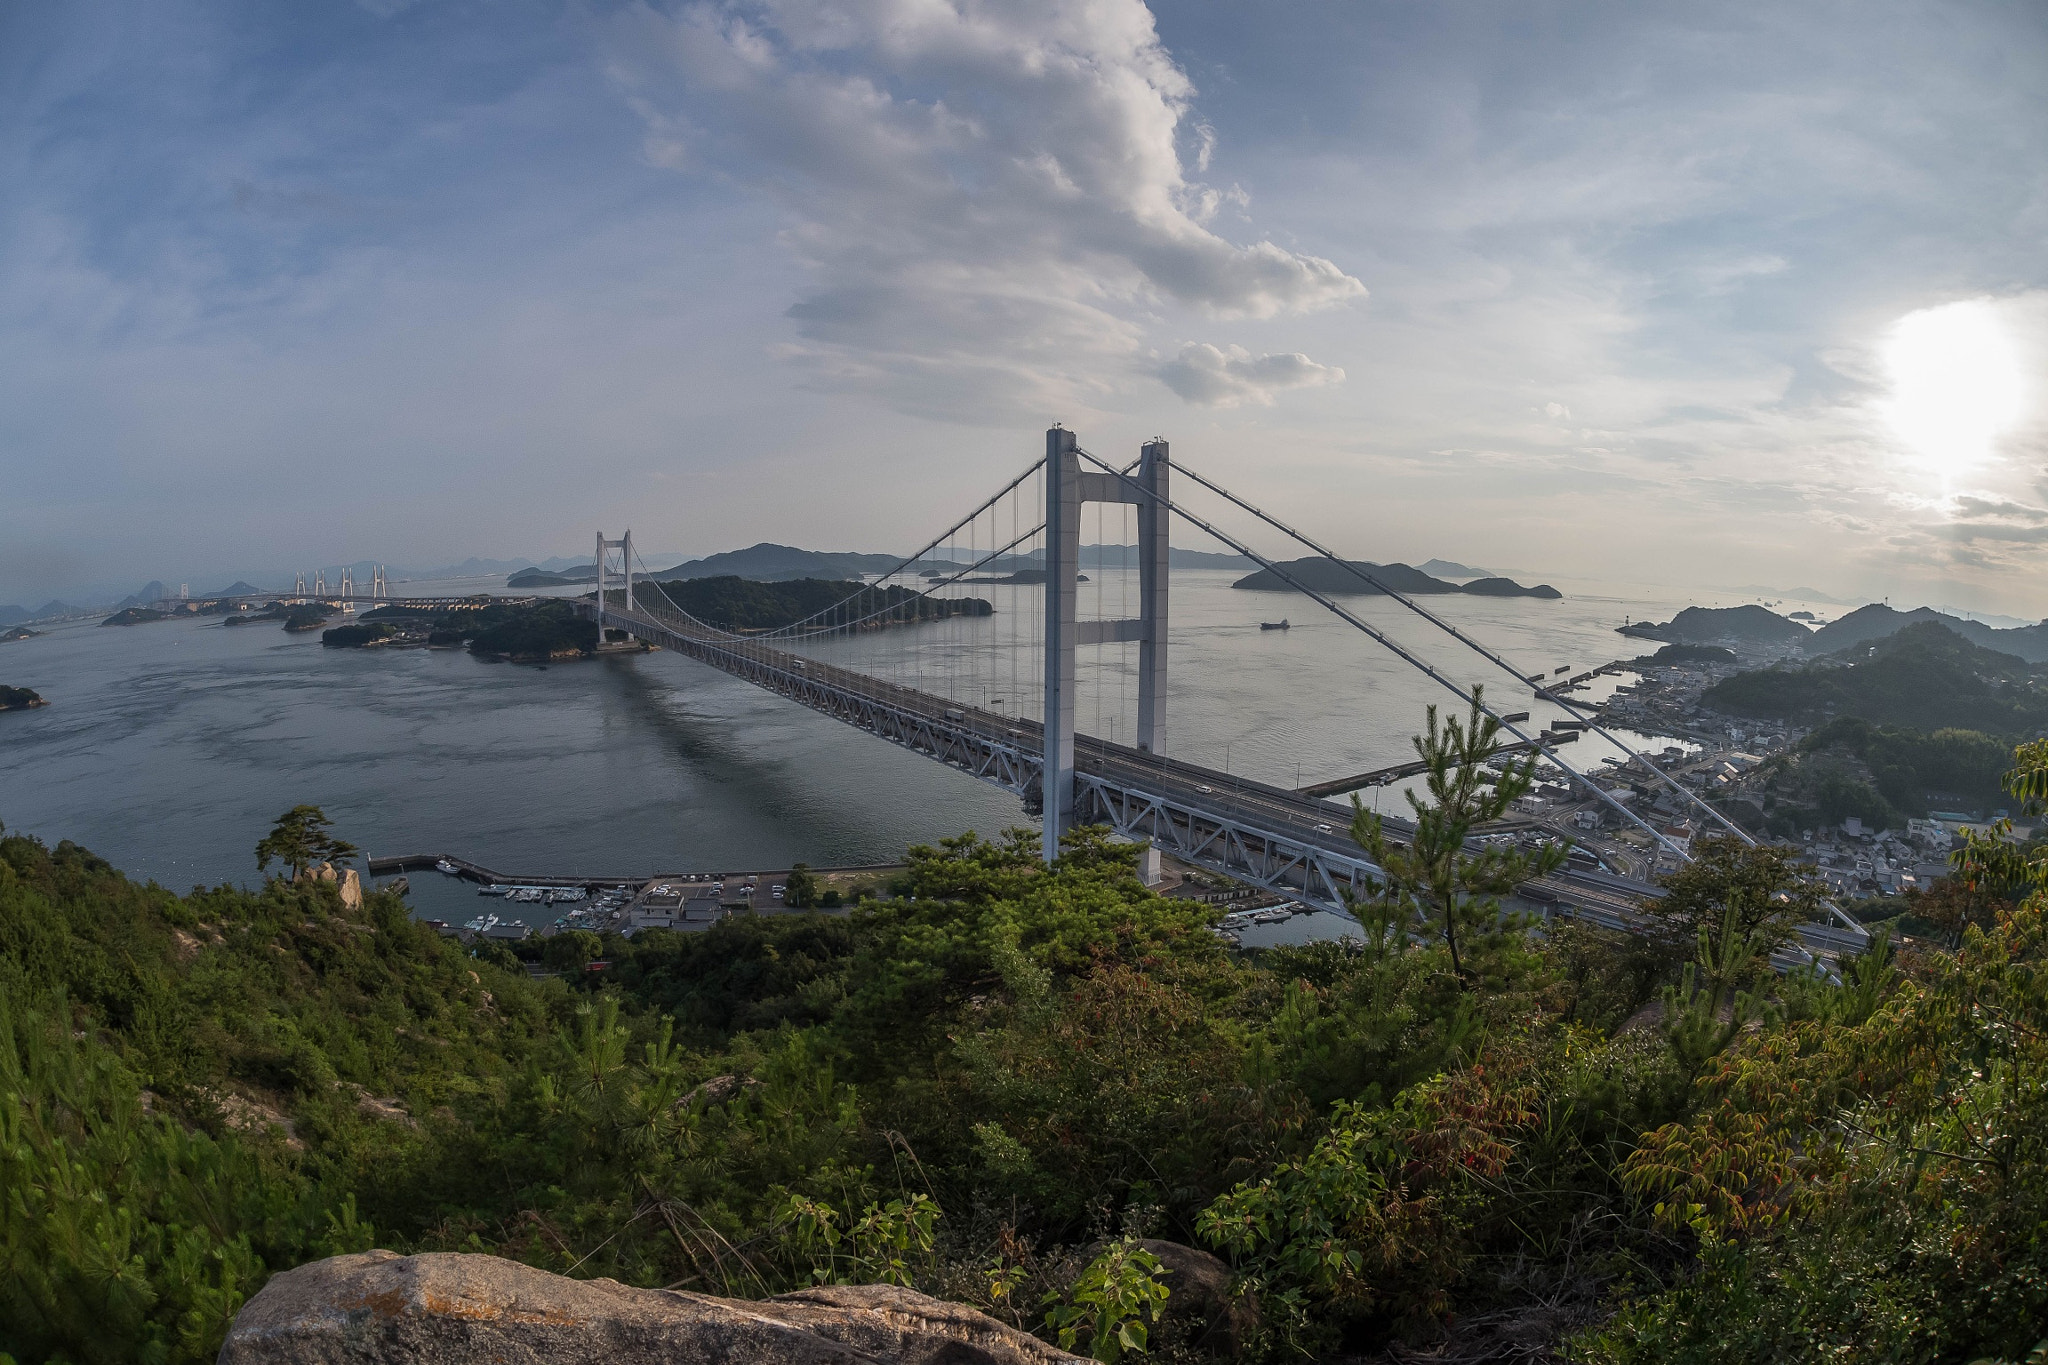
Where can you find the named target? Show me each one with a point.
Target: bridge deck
(1288, 841)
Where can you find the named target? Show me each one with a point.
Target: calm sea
(170, 748)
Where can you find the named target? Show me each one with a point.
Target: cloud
(1233, 377)
(990, 199)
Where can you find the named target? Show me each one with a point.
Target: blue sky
(1588, 290)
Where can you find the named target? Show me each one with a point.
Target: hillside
(1324, 575)
(1878, 621)
(740, 604)
(1925, 676)
(1750, 624)
(968, 1087)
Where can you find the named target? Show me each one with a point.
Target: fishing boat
(1280, 624)
(1274, 916)
(1514, 717)
(493, 890)
(447, 868)
(482, 924)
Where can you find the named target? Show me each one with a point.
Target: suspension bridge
(1001, 701)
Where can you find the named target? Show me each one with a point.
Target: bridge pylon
(624, 545)
(1067, 489)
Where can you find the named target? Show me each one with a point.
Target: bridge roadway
(1268, 836)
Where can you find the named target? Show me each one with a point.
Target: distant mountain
(1325, 575)
(10, 616)
(1878, 622)
(53, 609)
(1749, 624)
(1451, 568)
(150, 592)
(239, 588)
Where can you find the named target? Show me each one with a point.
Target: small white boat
(492, 890)
(1273, 916)
(447, 868)
(482, 924)
(571, 894)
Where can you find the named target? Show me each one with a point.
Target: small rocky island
(20, 699)
(136, 616)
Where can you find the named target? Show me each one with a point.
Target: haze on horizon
(1721, 294)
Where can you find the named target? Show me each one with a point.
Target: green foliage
(1391, 1144)
(1926, 677)
(542, 630)
(801, 891)
(888, 1244)
(1754, 890)
(1114, 1303)
(302, 836)
(357, 635)
(1432, 876)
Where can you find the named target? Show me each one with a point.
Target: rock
(351, 889)
(1200, 1307)
(450, 1309)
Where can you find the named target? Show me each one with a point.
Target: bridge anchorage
(1289, 841)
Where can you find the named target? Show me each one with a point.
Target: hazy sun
(1955, 383)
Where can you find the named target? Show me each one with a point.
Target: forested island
(1616, 1149)
(20, 699)
(744, 605)
(1327, 576)
(526, 631)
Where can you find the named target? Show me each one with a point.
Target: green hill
(1924, 676)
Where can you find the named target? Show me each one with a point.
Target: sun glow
(1955, 383)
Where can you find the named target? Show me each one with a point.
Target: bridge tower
(1067, 489)
(299, 586)
(378, 588)
(319, 582)
(348, 583)
(624, 545)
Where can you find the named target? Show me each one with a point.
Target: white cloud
(1233, 377)
(990, 197)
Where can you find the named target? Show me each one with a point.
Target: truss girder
(913, 720)
(1218, 840)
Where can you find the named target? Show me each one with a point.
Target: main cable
(1401, 652)
(1586, 715)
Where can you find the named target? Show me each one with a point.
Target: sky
(1701, 295)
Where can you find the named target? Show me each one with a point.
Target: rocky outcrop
(447, 1309)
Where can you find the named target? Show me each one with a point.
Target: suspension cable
(1586, 714)
(1401, 652)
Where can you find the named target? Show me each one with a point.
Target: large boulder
(446, 1309)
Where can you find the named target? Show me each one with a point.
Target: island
(136, 616)
(20, 699)
(1745, 625)
(17, 633)
(742, 605)
(1329, 576)
(520, 631)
